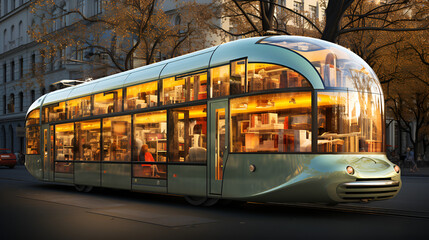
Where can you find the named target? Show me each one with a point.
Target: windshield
(338, 66)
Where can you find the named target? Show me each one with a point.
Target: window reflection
(108, 102)
(55, 112)
(65, 144)
(350, 122)
(33, 140)
(117, 138)
(271, 123)
(33, 117)
(88, 135)
(142, 96)
(187, 134)
(80, 107)
(270, 76)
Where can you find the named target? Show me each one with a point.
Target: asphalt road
(30, 209)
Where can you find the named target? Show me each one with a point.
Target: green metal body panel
(116, 175)
(149, 185)
(64, 177)
(34, 165)
(87, 174)
(187, 180)
(299, 177)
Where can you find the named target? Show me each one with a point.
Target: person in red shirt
(146, 156)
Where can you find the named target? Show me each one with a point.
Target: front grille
(368, 189)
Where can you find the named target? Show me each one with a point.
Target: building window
(150, 144)
(5, 40)
(4, 104)
(11, 105)
(313, 13)
(20, 32)
(278, 122)
(12, 4)
(6, 2)
(187, 134)
(98, 8)
(21, 67)
(117, 138)
(12, 70)
(88, 135)
(142, 96)
(33, 96)
(33, 64)
(5, 72)
(299, 8)
(21, 101)
(43, 91)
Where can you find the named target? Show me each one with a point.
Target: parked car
(7, 158)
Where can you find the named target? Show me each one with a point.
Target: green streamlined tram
(278, 119)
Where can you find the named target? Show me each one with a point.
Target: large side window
(117, 138)
(33, 117)
(80, 107)
(219, 77)
(238, 76)
(108, 102)
(262, 76)
(150, 144)
(350, 122)
(65, 143)
(55, 112)
(33, 140)
(142, 96)
(173, 90)
(88, 135)
(278, 122)
(187, 134)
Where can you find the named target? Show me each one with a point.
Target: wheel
(211, 202)
(83, 188)
(195, 201)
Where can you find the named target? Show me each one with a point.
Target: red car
(7, 158)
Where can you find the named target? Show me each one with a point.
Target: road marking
(170, 220)
(72, 200)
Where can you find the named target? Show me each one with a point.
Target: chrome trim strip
(385, 183)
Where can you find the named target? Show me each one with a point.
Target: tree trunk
(334, 13)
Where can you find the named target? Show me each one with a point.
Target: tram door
(47, 163)
(218, 145)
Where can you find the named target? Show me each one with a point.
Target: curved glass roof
(338, 66)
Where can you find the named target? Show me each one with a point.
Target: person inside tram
(146, 156)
